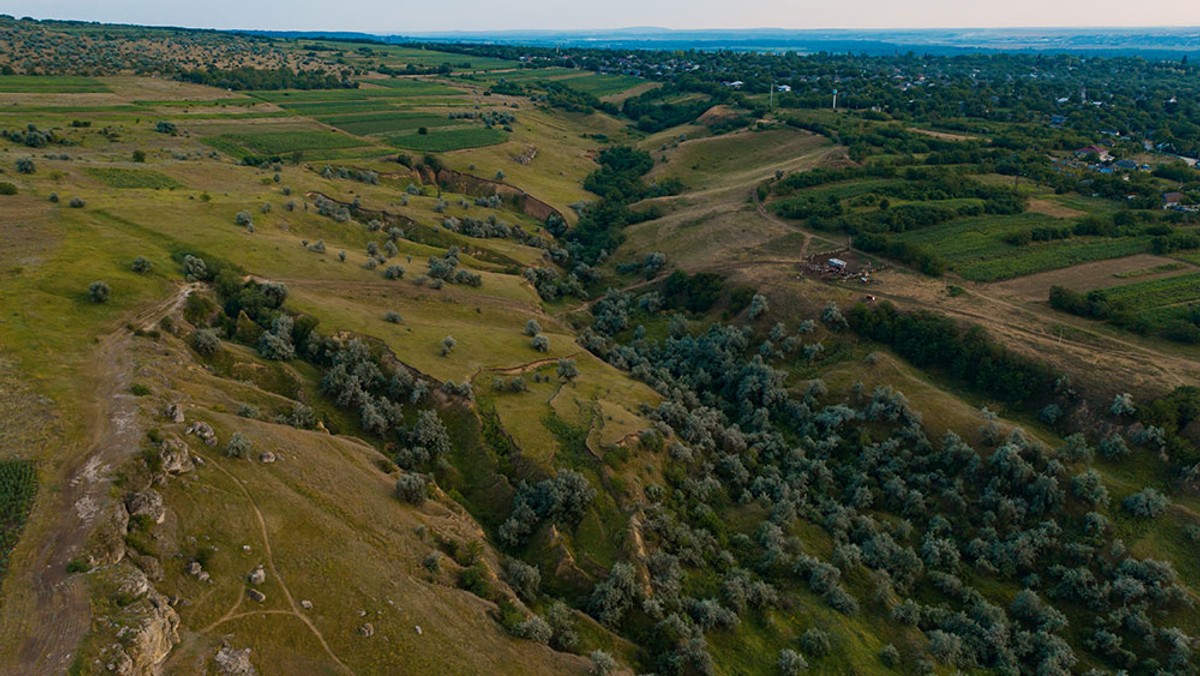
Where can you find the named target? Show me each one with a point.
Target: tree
(614, 596)
(243, 219)
(540, 343)
(448, 344)
(394, 272)
(276, 344)
(194, 269)
(1122, 405)
(139, 156)
(889, 656)
(815, 642)
(534, 629)
(532, 328)
(791, 663)
(833, 317)
(393, 317)
(77, 203)
(523, 578)
(25, 165)
(238, 447)
(603, 663)
(98, 291)
(758, 306)
(1113, 447)
(1088, 486)
(141, 266)
(412, 488)
(567, 370)
(205, 342)
(1147, 503)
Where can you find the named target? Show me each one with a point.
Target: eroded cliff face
(146, 625)
(474, 185)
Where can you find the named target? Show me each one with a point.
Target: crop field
(132, 178)
(381, 123)
(411, 87)
(18, 484)
(1158, 292)
(50, 84)
(1039, 257)
(604, 85)
(318, 108)
(446, 140)
(278, 142)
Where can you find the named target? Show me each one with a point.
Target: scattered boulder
(257, 576)
(120, 663)
(367, 630)
(306, 604)
(203, 430)
(148, 503)
(418, 628)
(256, 595)
(131, 582)
(266, 457)
(175, 456)
(175, 413)
(194, 568)
(149, 565)
(230, 662)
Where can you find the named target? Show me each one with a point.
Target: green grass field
(321, 108)
(603, 85)
(280, 142)
(411, 87)
(132, 178)
(445, 140)
(50, 84)
(381, 123)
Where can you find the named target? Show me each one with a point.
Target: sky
(409, 16)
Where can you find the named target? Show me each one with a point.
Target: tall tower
(835, 100)
(1083, 93)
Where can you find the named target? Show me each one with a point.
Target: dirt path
(48, 636)
(768, 216)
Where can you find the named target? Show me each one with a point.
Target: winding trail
(270, 563)
(287, 594)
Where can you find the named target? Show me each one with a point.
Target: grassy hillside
(273, 384)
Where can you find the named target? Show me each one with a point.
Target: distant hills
(1149, 42)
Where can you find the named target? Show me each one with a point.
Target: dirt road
(47, 637)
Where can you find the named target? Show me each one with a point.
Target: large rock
(175, 456)
(230, 662)
(256, 595)
(147, 503)
(149, 625)
(257, 576)
(106, 544)
(203, 430)
(175, 413)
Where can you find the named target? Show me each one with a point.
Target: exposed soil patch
(1095, 275)
(1054, 209)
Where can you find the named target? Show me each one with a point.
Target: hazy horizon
(374, 16)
